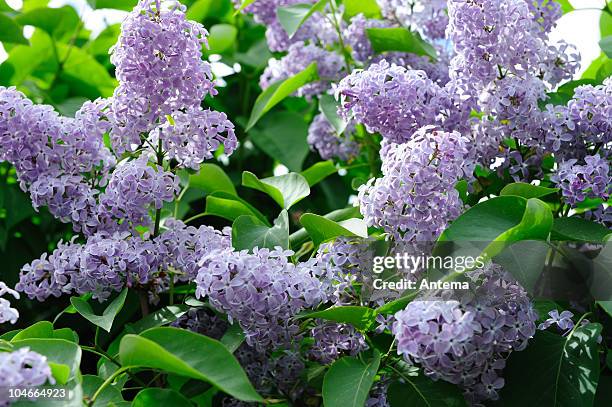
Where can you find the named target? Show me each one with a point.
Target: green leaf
(126, 5)
(282, 135)
(10, 31)
(211, 178)
(526, 261)
(274, 94)
(5, 7)
(159, 397)
(59, 23)
(490, 226)
(578, 229)
(230, 207)
(606, 45)
(421, 391)
(233, 337)
(565, 6)
(104, 321)
(294, 16)
(604, 71)
(188, 354)
(286, 190)
(23, 60)
(58, 351)
(111, 394)
(563, 371)
(83, 72)
(248, 232)
(605, 21)
(105, 40)
(160, 317)
(319, 171)
(41, 329)
(527, 190)
(369, 8)
(348, 381)
(222, 38)
(361, 318)
(593, 69)
(328, 105)
(322, 229)
(61, 373)
(399, 39)
(606, 306)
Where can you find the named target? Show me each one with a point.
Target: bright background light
(580, 28)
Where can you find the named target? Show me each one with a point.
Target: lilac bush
(218, 259)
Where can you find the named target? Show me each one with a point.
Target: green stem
(345, 54)
(106, 383)
(160, 162)
(198, 216)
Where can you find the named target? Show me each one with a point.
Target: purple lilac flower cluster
(323, 138)
(429, 17)
(262, 291)
(330, 67)
(7, 314)
(107, 262)
(466, 342)
(395, 101)
(416, 197)
(593, 180)
(317, 28)
(21, 368)
(333, 340)
(193, 136)
(158, 60)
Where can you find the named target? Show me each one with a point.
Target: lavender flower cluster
(396, 102)
(466, 342)
(7, 313)
(333, 340)
(66, 166)
(21, 368)
(322, 137)
(416, 197)
(158, 60)
(106, 263)
(262, 291)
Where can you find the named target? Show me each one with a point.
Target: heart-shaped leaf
(104, 321)
(286, 190)
(248, 232)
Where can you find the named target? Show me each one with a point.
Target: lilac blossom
(158, 60)
(416, 197)
(591, 111)
(322, 137)
(579, 182)
(356, 36)
(562, 320)
(394, 101)
(330, 68)
(135, 187)
(184, 246)
(193, 136)
(333, 340)
(466, 342)
(261, 291)
(7, 314)
(21, 368)
(202, 321)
